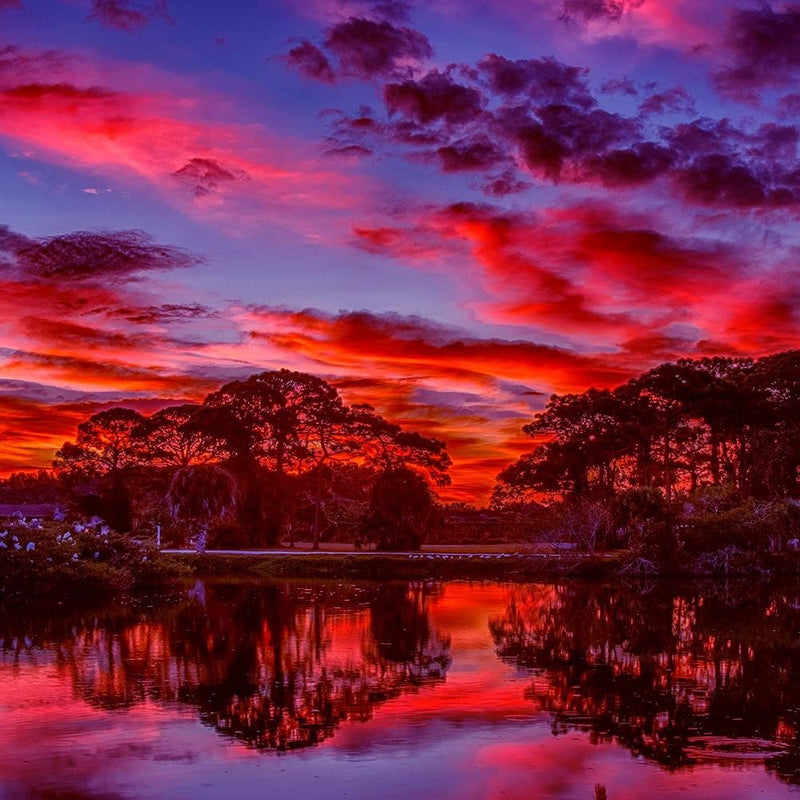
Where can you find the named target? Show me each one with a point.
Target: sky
(450, 210)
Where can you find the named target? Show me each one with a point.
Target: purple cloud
(127, 15)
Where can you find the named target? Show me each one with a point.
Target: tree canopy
(286, 438)
(680, 426)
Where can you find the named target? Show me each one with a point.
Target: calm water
(321, 690)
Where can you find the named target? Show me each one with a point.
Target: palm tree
(200, 494)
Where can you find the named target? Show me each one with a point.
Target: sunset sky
(449, 209)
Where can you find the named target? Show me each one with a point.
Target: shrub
(40, 558)
(228, 535)
(401, 510)
(647, 523)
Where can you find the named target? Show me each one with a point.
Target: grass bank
(403, 566)
(481, 566)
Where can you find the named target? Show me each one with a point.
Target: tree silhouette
(176, 437)
(284, 418)
(105, 443)
(200, 494)
(103, 453)
(679, 427)
(287, 438)
(401, 510)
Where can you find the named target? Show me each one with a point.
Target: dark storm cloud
(11, 241)
(719, 179)
(622, 86)
(362, 47)
(348, 151)
(540, 114)
(505, 184)
(630, 166)
(164, 313)
(560, 134)
(127, 15)
(435, 97)
(470, 154)
(673, 100)
(544, 80)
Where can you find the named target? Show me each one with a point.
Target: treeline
(692, 455)
(41, 486)
(274, 457)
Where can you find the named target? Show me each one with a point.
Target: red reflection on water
(400, 686)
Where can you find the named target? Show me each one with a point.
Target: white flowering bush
(45, 557)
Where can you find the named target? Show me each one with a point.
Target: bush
(709, 531)
(228, 535)
(646, 522)
(747, 527)
(401, 511)
(40, 558)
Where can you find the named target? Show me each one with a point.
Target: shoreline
(402, 566)
(163, 572)
(374, 565)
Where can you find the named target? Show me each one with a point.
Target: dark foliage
(295, 462)
(401, 510)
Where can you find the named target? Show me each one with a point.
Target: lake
(299, 689)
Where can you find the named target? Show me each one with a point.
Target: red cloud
(599, 277)
(31, 432)
(51, 104)
(472, 393)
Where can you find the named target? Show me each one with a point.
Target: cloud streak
(231, 174)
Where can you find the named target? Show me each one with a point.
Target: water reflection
(275, 665)
(679, 677)
(692, 679)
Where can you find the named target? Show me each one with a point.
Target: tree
(106, 443)
(590, 433)
(104, 451)
(199, 495)
(385, 445)
(283, 419)
(401, 510)
(295, 427)
(646, 520)
(176, 437)
(278, 422)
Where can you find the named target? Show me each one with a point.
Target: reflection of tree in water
(676, 677)
(276, 665)
(401, 635)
